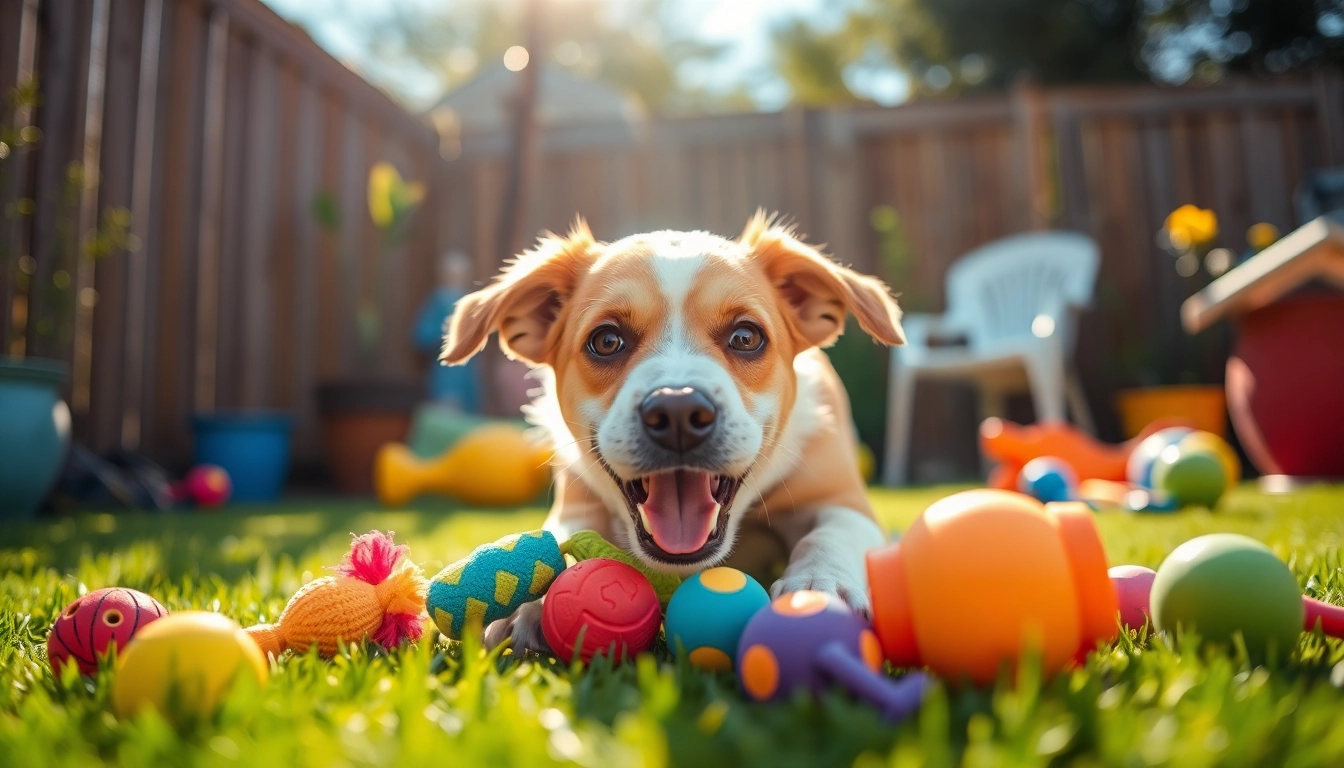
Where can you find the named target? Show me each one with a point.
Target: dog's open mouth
(681, 514)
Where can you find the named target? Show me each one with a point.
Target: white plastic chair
(1011, 311)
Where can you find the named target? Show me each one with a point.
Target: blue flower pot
(253, 446)
(34, 433)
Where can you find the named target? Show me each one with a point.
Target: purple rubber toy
(811, 640)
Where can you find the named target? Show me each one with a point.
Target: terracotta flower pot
(359, 416)
(1285, 386)
(1204, 406)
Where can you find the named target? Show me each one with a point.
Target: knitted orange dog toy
(372, 596)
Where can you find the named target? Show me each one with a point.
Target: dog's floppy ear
(818, 290)
(523, 302)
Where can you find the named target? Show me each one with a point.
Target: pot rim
(34, 370)
(243, 418)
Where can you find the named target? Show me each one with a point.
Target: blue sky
(743, 25)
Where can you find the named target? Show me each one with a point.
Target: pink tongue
(681, 511)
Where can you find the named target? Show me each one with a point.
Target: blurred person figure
(456, 387)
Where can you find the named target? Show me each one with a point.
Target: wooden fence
(216, 123)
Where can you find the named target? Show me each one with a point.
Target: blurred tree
(957, 45)
(1204, 39)
(625, 45)
(813, 62)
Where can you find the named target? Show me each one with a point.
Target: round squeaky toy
(1139, 468)
(1133, 584)
(1181, 467)
(600, 606)
(376, 594)
(1225, 584)
(92, 625)
(1048, 479)
(1209, 443)
(809, 640)
(185, 664)
(1189, 477)
(206, 485)
(1038, 581)
(707, 614)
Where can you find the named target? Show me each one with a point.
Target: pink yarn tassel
(371, 557)
(397, 628)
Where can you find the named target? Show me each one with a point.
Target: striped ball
(91, 626)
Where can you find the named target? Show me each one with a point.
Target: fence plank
(103, 427)
(146, 149)
(62, 58)
(18, 41)
(234, 197)
(174, 267)
(307, 268)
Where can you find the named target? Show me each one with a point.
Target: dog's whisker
(783, 483)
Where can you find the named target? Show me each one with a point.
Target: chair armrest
(921, 328)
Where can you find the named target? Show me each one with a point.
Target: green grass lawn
(1136, 703)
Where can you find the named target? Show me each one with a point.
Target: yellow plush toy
(492, 466)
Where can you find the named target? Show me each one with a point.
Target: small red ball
(612, 604)
(91, 625)
(208, 486)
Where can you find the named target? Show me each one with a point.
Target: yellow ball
(184, 663)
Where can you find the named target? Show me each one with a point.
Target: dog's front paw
(522, 629)
(842, 582)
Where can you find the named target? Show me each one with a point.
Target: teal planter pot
(252, 446)
(34, 433)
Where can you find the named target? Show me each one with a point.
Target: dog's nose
(678, 418)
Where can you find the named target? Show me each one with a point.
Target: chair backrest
(996, 291)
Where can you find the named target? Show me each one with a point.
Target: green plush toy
(495, 579)
(586, 545)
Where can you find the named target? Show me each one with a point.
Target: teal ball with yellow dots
(707, 614)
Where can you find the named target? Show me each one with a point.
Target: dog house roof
(1313, 251)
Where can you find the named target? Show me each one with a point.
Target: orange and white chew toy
(376, 594)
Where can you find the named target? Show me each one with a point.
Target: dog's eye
(605, 342)
(746, 338)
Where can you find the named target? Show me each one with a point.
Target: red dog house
(1285, 378)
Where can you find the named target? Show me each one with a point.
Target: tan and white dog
(690, 408)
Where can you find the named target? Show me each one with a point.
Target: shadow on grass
(231, 541)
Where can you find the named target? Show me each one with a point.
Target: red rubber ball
(208, 485)
(610, 603)
(91, 625)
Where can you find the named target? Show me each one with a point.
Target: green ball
(1189, 477)
(1225, 583)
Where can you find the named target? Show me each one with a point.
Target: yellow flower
(382, 177)
(390, 197)
(1261, 236)
(1190, 226)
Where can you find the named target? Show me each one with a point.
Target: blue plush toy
(493, 581)
(707, 614)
